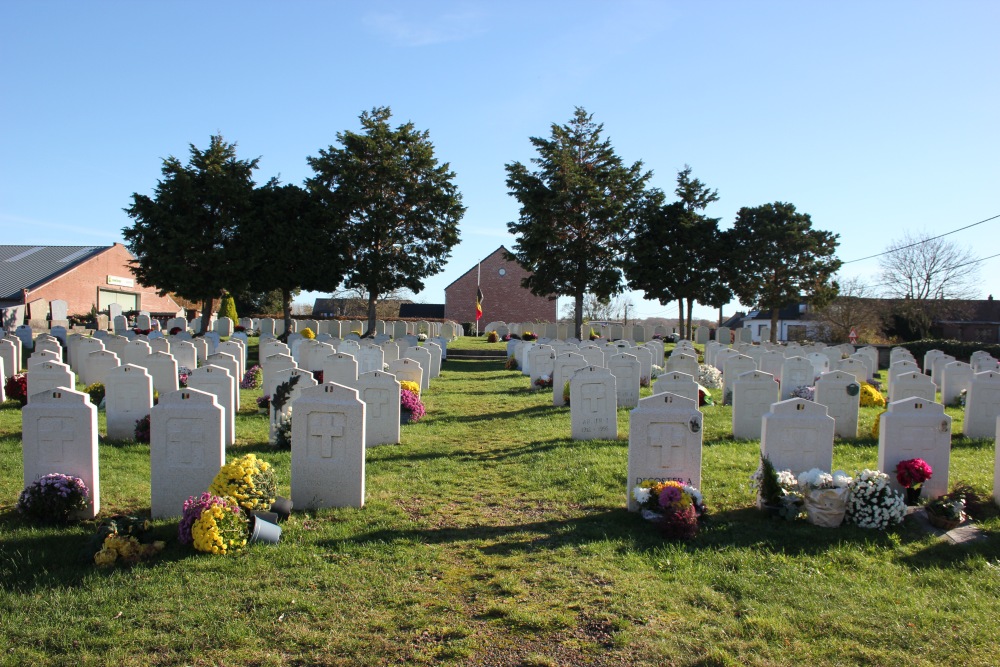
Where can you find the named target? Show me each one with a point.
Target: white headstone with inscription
(915, 428)
(664, 442)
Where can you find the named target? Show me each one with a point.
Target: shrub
(142, 429)
(228, 308)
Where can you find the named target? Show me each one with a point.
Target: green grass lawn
(490, 538)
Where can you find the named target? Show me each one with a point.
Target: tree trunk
(372, 302)
(774, 325)
(690, 333)
(286, 307)
(206, 314)
(680, 318)
(578, 316)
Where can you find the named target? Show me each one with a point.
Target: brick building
(503, 297)
(82, 276)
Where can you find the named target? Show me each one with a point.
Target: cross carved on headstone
(800, 447)
(323, 428)
(593, 395)
(668, 439)
(376, 399)
(185, 441)
(53, 434)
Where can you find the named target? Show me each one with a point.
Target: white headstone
(916, 428)
(436, 356)
(11, 356)
(563, 368)
(664, 442)
(593, 355)
(593, 404)
(128, 398)
(224, 327)
(820, 362)
(423, 357)
(185, 353)
(59, 435)
(370, 359)
(406, 370)
(328, 448)
(938, 365)
(796, 372)
(162, 368)
(798, 435)
(217, 381)
(754, 392)
(340, 368)
(840, 392)
(380, 393)
(929, 358)
(186, 449)
(912, 385)
(238, 352)
(541, 361)
(956, 377)
(230, 363)
(626, 369)
(982, 405)
(270, 367)
(43, 356)
(856, 367)
(96, 365)
(47, 376)
(675, 382)
(898, 368)
(135, 353)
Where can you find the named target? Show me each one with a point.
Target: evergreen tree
(399, 207)
(183, 236)
(294, 244)
(227, 308)
(676, 251)
(577, 209)
(778, 259)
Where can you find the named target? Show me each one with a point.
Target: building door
(127, 300)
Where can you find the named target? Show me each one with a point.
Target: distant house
(975, 321)
(85, 277)
(504, 299)
(422, 311)
(341, 307)
(794, 323)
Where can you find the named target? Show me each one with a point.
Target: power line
(923, 241)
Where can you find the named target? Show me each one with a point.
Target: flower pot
(282, 507)
(825, 507)
(943, 523)
(270, 517)
(912, 495)
(265, 531)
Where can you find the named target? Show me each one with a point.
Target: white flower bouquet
(872, 503)
(709, 376)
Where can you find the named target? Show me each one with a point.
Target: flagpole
(479, 271)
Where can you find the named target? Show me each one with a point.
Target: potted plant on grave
(872, 503)
(777, 491)
(947, 511)
(54, 499)
(122, 540)
(247, 480)
(824, 496)
(411, 409)
(544, 382)
(16, 388)
(213, 524)
(674, 507)
(911, 475)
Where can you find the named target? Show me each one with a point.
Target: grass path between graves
(490, 538)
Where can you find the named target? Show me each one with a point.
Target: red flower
(913, 472)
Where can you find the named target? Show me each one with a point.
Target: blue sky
(876, 118)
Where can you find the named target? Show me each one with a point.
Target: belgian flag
(479, 303)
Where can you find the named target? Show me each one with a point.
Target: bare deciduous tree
(854, 308)
(921, 267)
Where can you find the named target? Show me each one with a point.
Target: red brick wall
(503, 297)
(78, 286)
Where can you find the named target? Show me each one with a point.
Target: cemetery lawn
(490, 538)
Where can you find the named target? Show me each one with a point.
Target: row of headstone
(665, 440)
